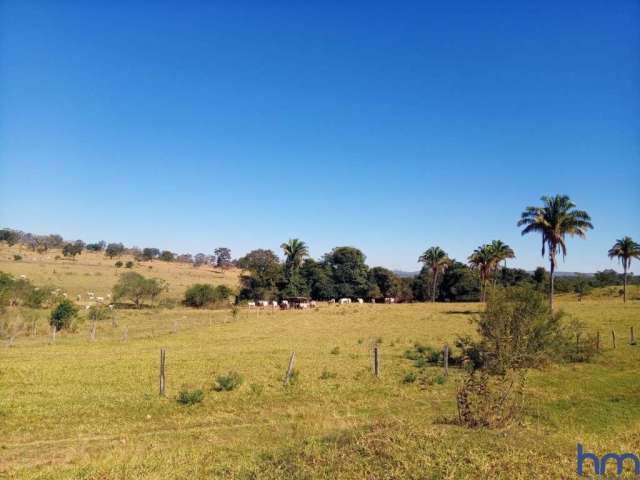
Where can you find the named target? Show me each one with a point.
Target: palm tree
(484, 260)
(624, 250)
(436, 260)
(556, 218)
(501, 252)
(295, 251)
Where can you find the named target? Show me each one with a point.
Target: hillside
(94, 272)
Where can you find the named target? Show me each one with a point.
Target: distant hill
(403, 274)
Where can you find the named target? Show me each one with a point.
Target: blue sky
(387, 126)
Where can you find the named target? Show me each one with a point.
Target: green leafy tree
(554, 220)
(223, 257)
(483, 260)
(11, 237)
(459, 284)
(624, 250)
(263, 273)
(149, 254)
(348, 271)
(73, 249)
(318, 279)
(295, 251)
(167, 256)
(96, 247)
(63, 314)
(384, 282)
(437, 261)
(137, 288)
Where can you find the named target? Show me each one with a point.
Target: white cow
(251, 304)
(263, 303)
(373, 300)
(360, 301)
(303, 305)
(274, 304)
(345, 301)
(313, 304)
(332, 301)
(78, 297)
(389, 300)
(99, 299)
(111, 307)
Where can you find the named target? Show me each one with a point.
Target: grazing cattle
(23, 276)
(373, 300)
(251, 304)
(345, 301)
(64, 295)
(284, 304)
(313, 304)
(389, 300)
(87, 307)
(100, 299)
(333, 300)
(78, 297)
(361, 301)
(91, 294)
(303, 305)
(108, 295)
(263, 303)
(111, 307)
(274, 304)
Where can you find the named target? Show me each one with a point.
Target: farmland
(78, 408)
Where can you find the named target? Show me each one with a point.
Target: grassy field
(90, 409)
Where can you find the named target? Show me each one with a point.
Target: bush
(335, 351)
(62, 314)
(202, 295)
(409, 377)
(118, 264)
(491, 402)
(135, 287)
(190, 397)
(17, 258)
(129, 264)
(97, 313)
(327, 375)
(228, 382)
(423, 355)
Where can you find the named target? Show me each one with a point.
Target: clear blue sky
(387, 126)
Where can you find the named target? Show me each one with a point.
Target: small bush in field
(190, 397)
(63, 314)
(17, 258)
(422, 355)
(228, 382)
(335, 351)
(409, 377)
(118, 264)
(129, 264)
(256, 389)
(327, 375)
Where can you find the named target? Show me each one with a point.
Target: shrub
(491, 402)
(335, 351)
(409, 377)
(228, 382)
(327, 375)
(190, 397)
(129, 264)
(17, 258)
(256, 388)
(97, 313)
(118, 264)
(422, 355)
(62, 314)
(135, 287)
(200, 295)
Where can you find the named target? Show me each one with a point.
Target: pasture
(91, 409)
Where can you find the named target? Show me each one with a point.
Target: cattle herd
(304, 304)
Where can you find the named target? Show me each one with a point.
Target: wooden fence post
(292, 362)
(376, 360)
(446, 360)
(53, 334)
(125, 334)
(632, 338)
(162, 359)
(613, 338)
(598, 341)
(93, 331)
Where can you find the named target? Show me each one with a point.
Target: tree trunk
(624, 294)
(552, 261)
(433, 290)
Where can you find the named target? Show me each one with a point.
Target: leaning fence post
(53, 334)
(632, 338)
(613, 338)
(446, 360)
(93, 331)
(292, 362)
(376, 360)
(162, 359)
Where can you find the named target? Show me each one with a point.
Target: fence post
(292, 362)
(53, 334)
(93, 331)
(598, 341)
(376, 360)
(125, 334)
(632, 338)
(446, 360)
(162, 359)
(613, 338)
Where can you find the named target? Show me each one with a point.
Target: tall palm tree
(624, 250)
(436, 260)
(501, 252)
(483, 260)
(295, 251)
(555, 219)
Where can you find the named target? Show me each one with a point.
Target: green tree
(96, 247)
(318, 279)
(385, 281)
(73, 249)
(167, 256)
(501, 253)
(263, 273)
(437, 261)
(149, 254)
(624, 250)
(554, 220)
(459, 284)
(348, 271)
(136, 288)
(223, 257)
(295, 251)
(483, 260)
(114, 250)
(11, 237)
(62, 314)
